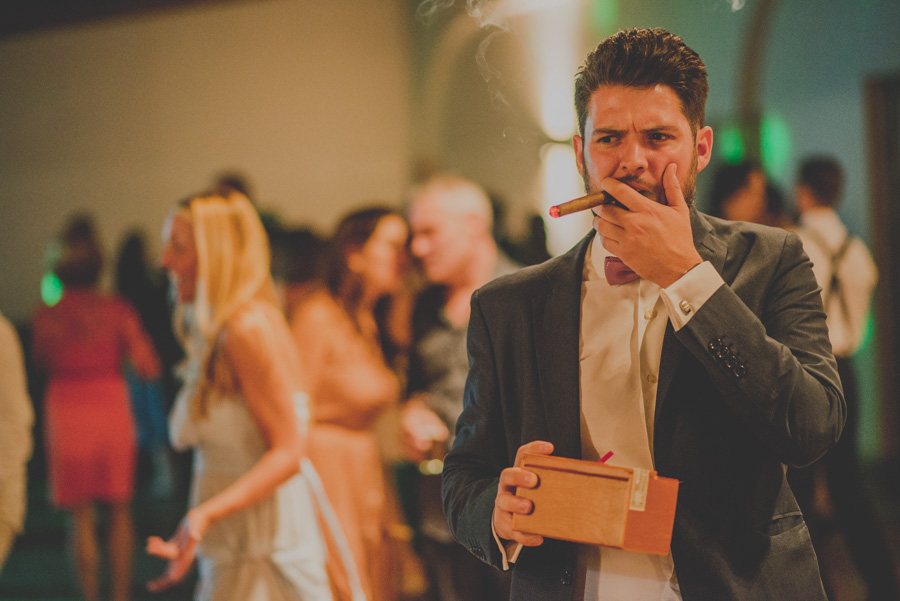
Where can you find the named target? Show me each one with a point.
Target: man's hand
(653, 239)
(507, 503)
(421, 429)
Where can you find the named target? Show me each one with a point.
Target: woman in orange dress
(351, 385)
(82, 344)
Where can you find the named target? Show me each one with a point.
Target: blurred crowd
(348, 352)
(374, 315)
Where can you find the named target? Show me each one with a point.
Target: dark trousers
(854, 518)
(455, 574)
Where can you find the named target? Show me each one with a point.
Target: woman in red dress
(82, 344)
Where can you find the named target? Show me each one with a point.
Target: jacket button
(566, 578)
(739, 371)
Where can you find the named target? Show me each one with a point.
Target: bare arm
(258, 349)
(347, 377)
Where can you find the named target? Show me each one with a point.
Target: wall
(125, 117)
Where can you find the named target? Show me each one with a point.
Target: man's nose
(419, 246)
(633, 157)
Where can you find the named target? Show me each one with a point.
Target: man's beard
(688, 188)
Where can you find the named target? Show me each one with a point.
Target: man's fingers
(630, 198)
(510, 503)
(674, 194)
(515, 477)
(528, 540)
(541, 447)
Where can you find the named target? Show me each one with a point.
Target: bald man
(451, 222)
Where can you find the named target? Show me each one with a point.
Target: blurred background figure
(147, 290)
(451, 222)
(342, 350)
(252, 521)
(777, 213)
(82, 344)
(234, 180)
(739, 193)
(16, 420)
(847, 275)
(296, 258)
(532, 248)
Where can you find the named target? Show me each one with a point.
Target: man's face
(440, 240)
(632, 134)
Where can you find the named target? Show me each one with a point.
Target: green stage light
(775, 145)
(731, 144)
(51, 289)
(603, 15)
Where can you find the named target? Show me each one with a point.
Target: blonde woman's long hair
(233, 268)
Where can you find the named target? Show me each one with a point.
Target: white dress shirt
(856, 272)
(618, 406)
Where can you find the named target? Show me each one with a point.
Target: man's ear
(578, 144)
(704, 147)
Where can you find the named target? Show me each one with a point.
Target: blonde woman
(252, 523)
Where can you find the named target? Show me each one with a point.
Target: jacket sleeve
(472, 468)
(773, 363)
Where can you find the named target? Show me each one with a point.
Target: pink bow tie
(618, 272)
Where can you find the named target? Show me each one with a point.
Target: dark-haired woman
(351, 385)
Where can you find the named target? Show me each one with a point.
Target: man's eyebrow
(608, 131)
(660, 128)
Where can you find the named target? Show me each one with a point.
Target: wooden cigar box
(593, 503)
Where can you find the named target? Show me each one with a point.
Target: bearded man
(686, 344)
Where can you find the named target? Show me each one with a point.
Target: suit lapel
(711, 249)
(556, 321)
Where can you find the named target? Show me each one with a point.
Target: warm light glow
(561, 182)
(554, 46)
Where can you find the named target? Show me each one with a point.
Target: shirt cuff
(684, 297)
(508, 553)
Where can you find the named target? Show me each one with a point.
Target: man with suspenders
(847, 275)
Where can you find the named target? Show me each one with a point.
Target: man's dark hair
(823, 177)
(643, 58)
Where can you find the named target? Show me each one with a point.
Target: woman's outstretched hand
(179, 550)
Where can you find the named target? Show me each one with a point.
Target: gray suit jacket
(747, 386)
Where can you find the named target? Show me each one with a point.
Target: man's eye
(658, 137)
(606, 140)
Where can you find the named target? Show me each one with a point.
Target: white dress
(271, 551)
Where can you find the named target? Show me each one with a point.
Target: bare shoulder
(318, 309)
(255, 325)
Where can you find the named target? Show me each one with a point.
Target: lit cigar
(581, 204)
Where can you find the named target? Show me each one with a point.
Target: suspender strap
(833, 290)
